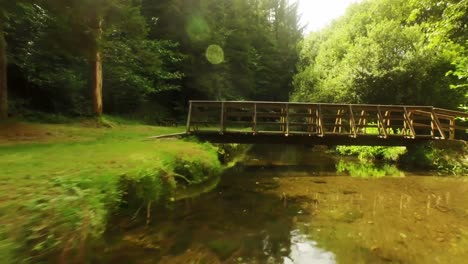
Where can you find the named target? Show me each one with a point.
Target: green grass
(58, 183)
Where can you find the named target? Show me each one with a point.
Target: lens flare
(214, 54)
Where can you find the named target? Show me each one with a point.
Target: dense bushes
(442, 156)
(365, 153)
(446, 157)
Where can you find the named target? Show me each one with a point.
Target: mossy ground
(59, 183)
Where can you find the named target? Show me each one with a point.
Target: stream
(291, 205)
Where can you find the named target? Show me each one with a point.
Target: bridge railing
(352, 120)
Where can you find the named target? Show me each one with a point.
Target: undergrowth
(444, 157)
(370, 153)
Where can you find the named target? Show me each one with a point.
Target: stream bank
(292, 206)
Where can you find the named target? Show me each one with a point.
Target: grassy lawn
(58, 183)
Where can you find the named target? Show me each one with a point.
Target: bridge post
(352, 122)
(189, 117)
(222, 121)
(437, 122)
(452, 128)
(320, 121)
(409, 122)
(310, 121)
(287, 119)
(381, 122)
(254, 127)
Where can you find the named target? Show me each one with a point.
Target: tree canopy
(388, 52)
(146, 58)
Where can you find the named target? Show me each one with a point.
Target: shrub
(366, 153)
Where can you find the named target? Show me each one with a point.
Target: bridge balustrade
(322, 120)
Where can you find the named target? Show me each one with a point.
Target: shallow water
(295, 208)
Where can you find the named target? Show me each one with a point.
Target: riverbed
(292, 205)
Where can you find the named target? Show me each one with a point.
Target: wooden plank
(333, 125)
(437, 122)
(352, 121)
(238, 114)
(451, 113)
(278, 123)
(419, 125)
(189, 118)
(319, 116)
(223, 116)
(307, 104)
(287, 119)
(301, 124)
(337, 120)
(174, 135)
(452, 128)
(409, 123)
(300, 115)
(261, 114)
(311, 121)
(381, 122)
(255, 119)
(228, 122)
(388, 120)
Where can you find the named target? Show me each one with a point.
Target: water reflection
(299, 214)
(369, 169)
(306, 251)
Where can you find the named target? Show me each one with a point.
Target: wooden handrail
(322, 119)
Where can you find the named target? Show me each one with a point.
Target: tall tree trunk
(3, 75)
(96, 64)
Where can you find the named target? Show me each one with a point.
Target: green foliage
(443, 157)
(373, 54)
(150, 184)
(368, 153)
(62, 193)
(154, 53)
(137, 70)
(256, 39)
(368, 170)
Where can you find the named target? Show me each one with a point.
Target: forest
(93, 170)
(145, 58)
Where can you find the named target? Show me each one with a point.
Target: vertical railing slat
(287, 119)
(223, 118)
(437, 123)
(189, 117)
(409, 122)
(320, 121)
(381, 122)
(352, 122)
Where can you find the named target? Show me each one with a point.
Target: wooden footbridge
(320, 124)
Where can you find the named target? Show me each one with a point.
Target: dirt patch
(23, 132)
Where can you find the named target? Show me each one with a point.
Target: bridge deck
(328, 124)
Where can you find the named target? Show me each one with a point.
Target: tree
(3, 73)
(7, 10)
(90, 19)
(375, 54)
(257, 39)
